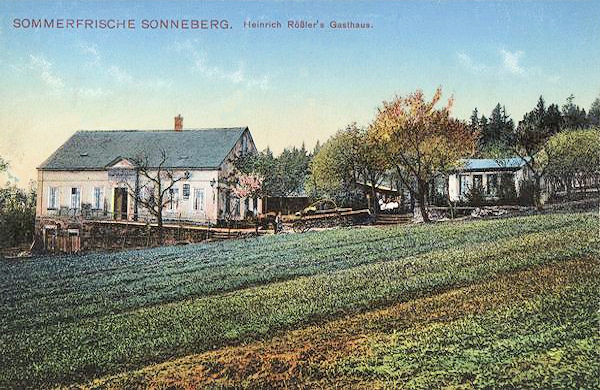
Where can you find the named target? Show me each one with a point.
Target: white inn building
(91, 175)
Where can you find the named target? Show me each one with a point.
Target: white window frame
(462, 178)
(56, 204)
(202, 204)
(183, 191)
(100, 198)
(492, 191)
(78, 192)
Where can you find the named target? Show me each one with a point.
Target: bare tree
(153, 186)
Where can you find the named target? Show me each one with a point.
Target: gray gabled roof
(99, 149)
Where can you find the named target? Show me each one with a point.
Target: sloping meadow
(68, 319)
(532, 328)
(548, 341)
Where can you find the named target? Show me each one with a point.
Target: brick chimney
(179, 123)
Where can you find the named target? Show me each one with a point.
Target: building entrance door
(120, 202)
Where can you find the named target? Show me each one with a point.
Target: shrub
(506, 190)
(476, 196)
(526, 193)
(439, 199)
(350, 197)
(17, 216)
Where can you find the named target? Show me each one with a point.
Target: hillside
(479, 291)
(471, 336)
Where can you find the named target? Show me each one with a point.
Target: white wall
(64, 181)
(225, 171)
(184, 208)
(453, 187)
(86, 181)
(454, 181)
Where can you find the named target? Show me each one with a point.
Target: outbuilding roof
(99, 149)
(490, 164)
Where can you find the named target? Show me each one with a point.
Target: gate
(64, 241)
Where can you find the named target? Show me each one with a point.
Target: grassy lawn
(534, 328)
(71, 319)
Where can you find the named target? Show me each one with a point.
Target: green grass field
(69, 320)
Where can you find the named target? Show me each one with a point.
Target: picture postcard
(299, 194)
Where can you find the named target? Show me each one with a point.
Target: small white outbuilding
(486, 174)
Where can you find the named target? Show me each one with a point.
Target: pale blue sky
(288, 86)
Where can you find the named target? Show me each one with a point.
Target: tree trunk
(160, 227)
(422, 196)
(374, 200)
(567, 180)
(537, 192)
(423, 208)
(447, 194)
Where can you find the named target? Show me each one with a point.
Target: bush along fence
(440, 213)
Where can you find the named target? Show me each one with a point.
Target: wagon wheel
(301, 226)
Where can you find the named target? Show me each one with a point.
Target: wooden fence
(117, 235)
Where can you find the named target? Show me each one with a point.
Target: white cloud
(471, 64)
(119, 75)
(91, 50)
(93, 93)
(510, 61)
(156, 84)
(43, 69)
(123, 77)
(201, 65)
(262, 83)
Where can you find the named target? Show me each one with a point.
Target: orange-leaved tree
(421, 140)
